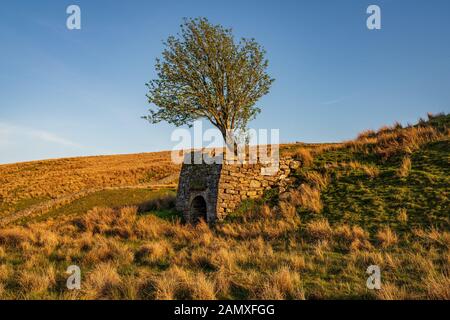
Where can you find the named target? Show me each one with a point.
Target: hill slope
(381, 199)
(37, 187)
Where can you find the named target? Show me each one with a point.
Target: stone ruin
(211, 191)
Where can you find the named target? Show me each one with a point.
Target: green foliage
(204, 73)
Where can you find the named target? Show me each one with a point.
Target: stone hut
(211, 191)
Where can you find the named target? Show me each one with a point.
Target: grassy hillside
(376, 184)
(380, 199)
(43, 185)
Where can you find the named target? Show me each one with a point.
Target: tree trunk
(230, 142)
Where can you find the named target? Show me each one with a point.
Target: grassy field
(23, 185)
(381, 199)
(116, 198)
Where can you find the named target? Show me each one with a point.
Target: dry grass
(282, 284)
(387, 237)
(273, 256)
(108, 250)
(390, 291)
(24, 184)
(14, 236)
(370, 170)
(108, 221)
(287, 210)
(316, 179)
(438, 286)
(402, 215)
(103, 282)
(37, 280)
(177, 283)
(319, 229)
(304, 155)
(394, 140)
(307, 197)
(405, 167)
(352, 238)
(153, 252)
(434, 236)
(264, 252)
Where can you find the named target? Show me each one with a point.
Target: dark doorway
(198, 209)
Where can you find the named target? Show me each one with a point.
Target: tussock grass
(275, 256)
(153, 253)
(346, 210)
(319, 229)
(405, 167)
(390, 141)
(307, 197)
(304, 155)
(387, 237)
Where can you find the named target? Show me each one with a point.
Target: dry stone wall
(239, 182)
(211, 191)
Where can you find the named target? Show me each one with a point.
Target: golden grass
(438, 286)
(402, 215)
(153, 253)
(273, 256)
(36, 280)
(14, 236)
(394, 140)
(51, 179)
(370, 170)
(319, 229)
(434, 236)
(352, 237)
(103, 282)
(316, 179)
(265, 252)
(177, 283)
(304, 155)
(390, 291)
(387, 237)
(282, 284)
(307, 197)
(108, 250)
(405, 167)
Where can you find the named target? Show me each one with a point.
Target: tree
(204, 73)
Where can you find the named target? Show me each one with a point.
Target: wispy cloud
(9, 132)
(334, 101)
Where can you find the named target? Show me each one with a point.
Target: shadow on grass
(163, 207)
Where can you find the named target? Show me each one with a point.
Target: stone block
(255, 184)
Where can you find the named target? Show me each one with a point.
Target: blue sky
(82, 92)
